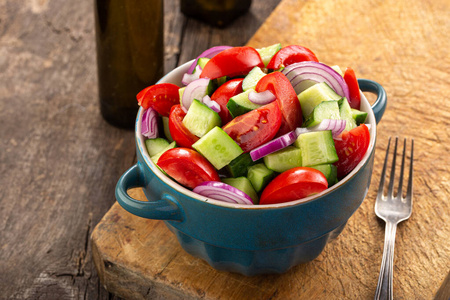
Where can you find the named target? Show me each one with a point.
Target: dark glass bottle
(218, 13)
(130, 54)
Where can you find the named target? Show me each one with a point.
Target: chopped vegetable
(223, 192)
(316, 72)
(149, 126)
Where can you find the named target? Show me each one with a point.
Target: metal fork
(392, 210)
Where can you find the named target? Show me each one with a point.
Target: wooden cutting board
(401, 44)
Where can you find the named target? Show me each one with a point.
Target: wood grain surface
(403, 45)
(59, 160)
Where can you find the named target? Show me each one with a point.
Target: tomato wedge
(187, 167)
(223, 94)
(180, 134)
(289, 55)
(232, 62)
(294, 184)
(281, 87)
(353, 87)
(351, 149)
(256, 127)
(161, 97)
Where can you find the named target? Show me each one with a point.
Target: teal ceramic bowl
(257, 239)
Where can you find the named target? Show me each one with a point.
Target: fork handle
(384, 287)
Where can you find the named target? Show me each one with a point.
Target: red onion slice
(274, 145)
(210, 53)
(223, 192)
(211, 104)
(261, 98)
(317, 72)
(188, 77)
(149, 125)
(336, 127)
(197, 89)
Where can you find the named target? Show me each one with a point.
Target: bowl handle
(166, 208)
(367, 85)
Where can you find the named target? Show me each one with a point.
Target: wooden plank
(400, 44)
(59, 159)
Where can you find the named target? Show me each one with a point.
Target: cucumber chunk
(239, 104)
(243, 184)
(359, 116)
(200, 119)
(324, 110)
(345, 112)
(156, 145)
(317, 148)
(155, 157)
(315, 94)
(267, 53)
(202, 62)
(218, 147)
(259, 175)
(250, 81)
(330, 172)
(284, 159)
(180, 92)
(219, 81)
(165, 121)
(238, 166)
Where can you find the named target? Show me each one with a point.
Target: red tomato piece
(180, 134)
(353, 87)
(351, 149)
(256, 127)
(281, 87)
(289, 55)
(187, 167)
(232, 62)
(223, 94)
(294, 184)
(161, 97)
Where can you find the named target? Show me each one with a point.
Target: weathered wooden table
(60, 161)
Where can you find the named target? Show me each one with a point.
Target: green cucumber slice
(180, 92)
(317, 148)
(284, 159)
(218, 147)
(267, 53)
(238, 166)
(155, 157)
(330, 172)
(359, 116)
(259, 175)
(324, 110)
(202, 62)
(243, 184)
(345, 112)
(166, 128)
(156, 145)
(250, 81)
(239, 104)
(200, 119)
(315, 94)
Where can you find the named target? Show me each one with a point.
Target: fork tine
(410, 180)
(390, 193)
(383, 172)
(400, 179)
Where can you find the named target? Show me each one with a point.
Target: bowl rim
(174, 76)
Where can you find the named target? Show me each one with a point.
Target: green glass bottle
(218, 13)
(130, 54)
